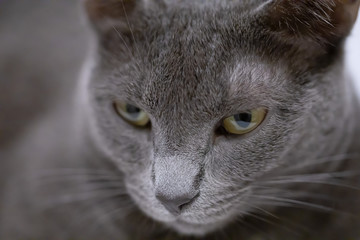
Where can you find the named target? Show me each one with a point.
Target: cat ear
(323, 21)
(105, 14)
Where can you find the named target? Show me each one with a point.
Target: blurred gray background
(42, 47)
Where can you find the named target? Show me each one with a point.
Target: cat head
(199, 103)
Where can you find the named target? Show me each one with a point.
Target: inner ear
(105, 14)
(114, 9)
(323, 21)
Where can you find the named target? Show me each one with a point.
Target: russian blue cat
(208, 119)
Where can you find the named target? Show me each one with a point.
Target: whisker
(296, 203)
(294, 226)
(91, 213)
(128, 48)
(82, 197)
(99, 221)
(241, 221)
(273, 223)
(310, 181)
(77, 171)
(131, 31)
(82, 178)
(297, 193)
(335, 158)
(321, 175)
(266, 212)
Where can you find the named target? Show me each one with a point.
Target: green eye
(132, 114)
(245, 122)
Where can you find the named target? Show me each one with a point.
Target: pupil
(243, 119)
(132, 110)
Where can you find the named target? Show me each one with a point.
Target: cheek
(132, 155)
(242, 160)
(129, 147)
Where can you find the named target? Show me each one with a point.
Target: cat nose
(174, 203)
(176, 182)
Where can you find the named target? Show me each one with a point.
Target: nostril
(174, 203)
(189, 200)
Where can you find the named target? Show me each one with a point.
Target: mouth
(187, 223)
(195, 218)
(199, 222)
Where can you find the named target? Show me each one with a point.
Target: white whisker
(324, 160)
(83, 197)
(310, 181)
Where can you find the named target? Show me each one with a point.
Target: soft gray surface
(42, 46)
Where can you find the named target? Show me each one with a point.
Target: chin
(194, 220)
(198, 230)
(190, 224)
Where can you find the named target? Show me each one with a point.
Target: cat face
(189, 67)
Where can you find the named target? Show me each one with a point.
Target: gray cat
(209, 119)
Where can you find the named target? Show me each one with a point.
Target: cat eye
(132, 114)
(244, 122)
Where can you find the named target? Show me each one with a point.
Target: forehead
(190, 61)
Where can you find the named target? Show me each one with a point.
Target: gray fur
(189, 65)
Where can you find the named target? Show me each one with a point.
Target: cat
(198, 119)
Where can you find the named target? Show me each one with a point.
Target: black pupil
(132, 110)
(243, 119)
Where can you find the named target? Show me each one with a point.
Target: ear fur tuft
(323, 21)
(100, 9)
